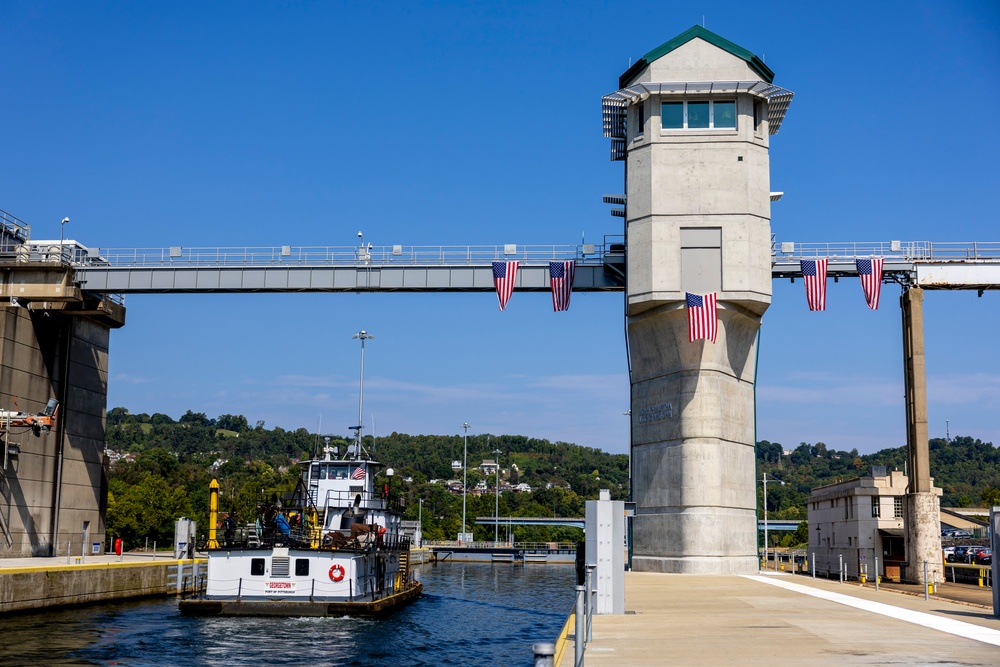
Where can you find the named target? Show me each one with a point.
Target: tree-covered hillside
(170, 464)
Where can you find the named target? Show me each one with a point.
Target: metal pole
(814, 564)
(877, 576)
(496, 511)
(840, 567)
(578, 637)
(465, 477)
(154, 548)
(765, 521)
(544, 654)
(69, 552)
(591, 593)
(927, 590)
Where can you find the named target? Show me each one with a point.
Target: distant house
(455, 485)
(859, 520)
(522, 488)
(488, 467)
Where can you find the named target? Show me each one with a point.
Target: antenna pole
(363, 335)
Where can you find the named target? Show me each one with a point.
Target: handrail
(906, 251)
(291, 256)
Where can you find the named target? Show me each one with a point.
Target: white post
(465, 477)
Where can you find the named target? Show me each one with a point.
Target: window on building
(301, 567)
(698, 115)
(640, 118)
(758, 115)
(876, 508)
(897, 507)
(257, 567)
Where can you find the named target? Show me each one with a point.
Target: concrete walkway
(777, 619)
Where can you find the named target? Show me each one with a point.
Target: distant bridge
(772, 525)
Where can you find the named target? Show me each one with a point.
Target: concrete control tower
(692, 120)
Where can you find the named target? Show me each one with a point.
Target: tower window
(876, 508)
(640, 118)
(897, 507)
(701, 115)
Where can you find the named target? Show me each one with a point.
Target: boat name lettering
(278, 586)
(655, 413)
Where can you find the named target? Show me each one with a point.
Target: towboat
(334, 547)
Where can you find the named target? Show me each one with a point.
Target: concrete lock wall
(698, 220)
(58, 477)
(53, 586)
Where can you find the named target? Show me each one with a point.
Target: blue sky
(263, 124)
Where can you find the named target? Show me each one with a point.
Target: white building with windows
(855, 522)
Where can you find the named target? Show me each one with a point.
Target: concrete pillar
(923, 504)
(697, 220)
(57, 485)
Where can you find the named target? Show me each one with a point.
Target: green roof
(697, 31)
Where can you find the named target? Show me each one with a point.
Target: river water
(469, 614)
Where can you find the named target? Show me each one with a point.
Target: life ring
(336, 572)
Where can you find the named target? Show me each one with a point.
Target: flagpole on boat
(363, 335)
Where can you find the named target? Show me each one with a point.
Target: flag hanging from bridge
(814, 273)
(702, 316)
(503, 279)
(359, 473)
(561, 280)
(870, 271)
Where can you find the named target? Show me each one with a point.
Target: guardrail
(908, 251)
(179, 256)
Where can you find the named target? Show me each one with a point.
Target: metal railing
(178, 256)
(907, 251)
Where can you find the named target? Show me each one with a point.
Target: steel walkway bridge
(773, 525)
(599, 267)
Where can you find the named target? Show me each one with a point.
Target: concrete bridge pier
(693, 443)
(923, 499)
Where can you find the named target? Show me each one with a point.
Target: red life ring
(337, 572)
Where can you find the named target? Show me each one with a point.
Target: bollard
(591, 594)
(69, 552)
(544, 654)
(154, 548)
(840, 568)
(927, 584)
(934, 585)
(877, 576)
(580, 631)
(814, 564)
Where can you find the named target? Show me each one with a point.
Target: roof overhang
(614, 106)
(891, 532)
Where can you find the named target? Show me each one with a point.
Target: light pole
(363, 335)
(420, 521)
(496, 512)
(62, 235)
(628, 413)
(765, 480)
(465, 477)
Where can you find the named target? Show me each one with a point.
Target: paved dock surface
(779, 619)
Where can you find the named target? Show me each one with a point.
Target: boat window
(257, 567)
(301, 567)
(341, 472)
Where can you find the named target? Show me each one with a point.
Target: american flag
(503, 278)
(703, 319)
(870, 271)
(561, 279)
(359, 473)
(814, 273)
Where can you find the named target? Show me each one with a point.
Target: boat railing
(490, 544)
(381, 500)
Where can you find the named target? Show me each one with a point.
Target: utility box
(606, 549)
(185, 530)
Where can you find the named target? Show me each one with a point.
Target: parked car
(984, 556)
(956, 534)
(958, 555)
